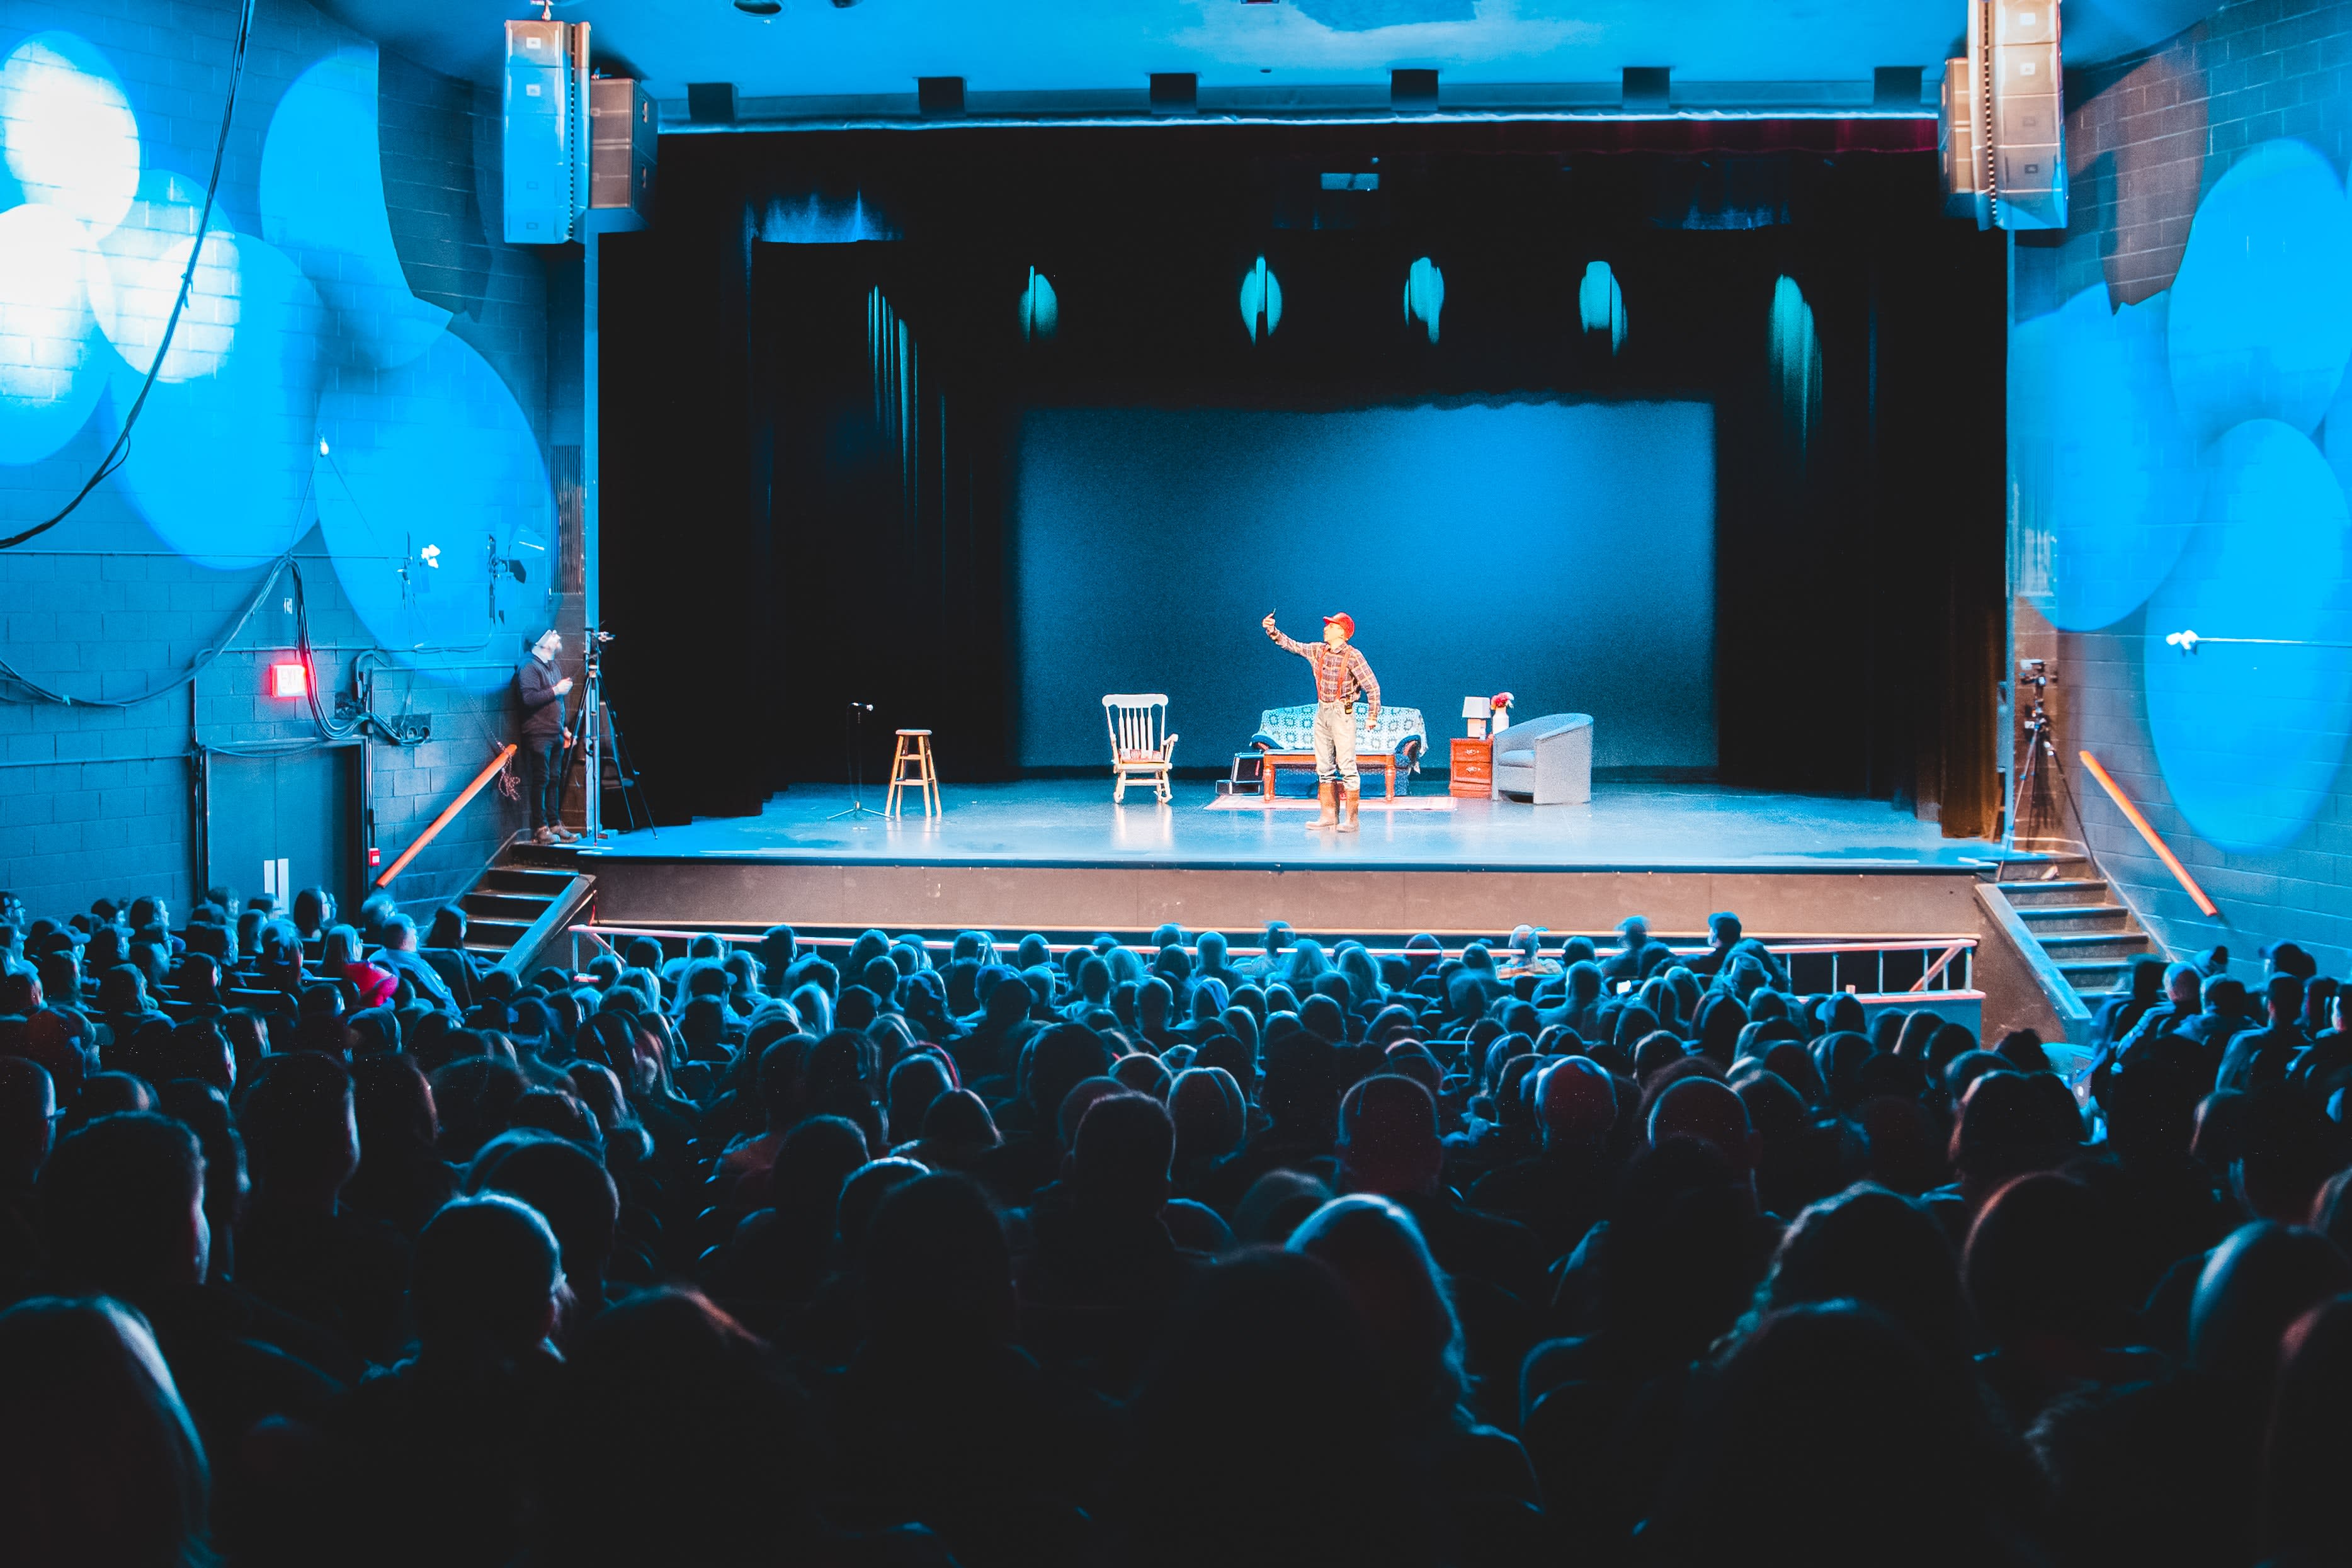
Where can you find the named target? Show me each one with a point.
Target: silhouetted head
(300, 1128)
(667, 1397)
(570, 1189)
(2039, 1263)
(1389, 1141)
(1378, 1254)
(99, 1460)
(485, 1281)
(2262, 1278)
(122, 1208)
(1707, 1109)
(1122, 1151)
(1870, 1245)
(29, 1110)
(1267, 1370)
(937, 1276)
(2307, 1449)
(1828, 1389)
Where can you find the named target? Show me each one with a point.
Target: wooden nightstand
(1472, 766)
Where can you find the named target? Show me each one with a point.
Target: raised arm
(1283, 643)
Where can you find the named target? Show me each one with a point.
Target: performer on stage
(1340, 672)
(544, 736)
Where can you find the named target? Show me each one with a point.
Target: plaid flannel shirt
(1340, 673)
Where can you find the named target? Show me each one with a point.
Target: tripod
(853, 735)
(600, 738)
(2040, 741)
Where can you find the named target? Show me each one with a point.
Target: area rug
(1371, 803)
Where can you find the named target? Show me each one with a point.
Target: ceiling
(819, 48)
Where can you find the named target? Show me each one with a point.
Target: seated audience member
(299, 1248)
(1269, 1370)
(666, 1399)
(123, 1214)
(1841, 1386)
(434, 1454)
(339, 959)
(2259, 1057)
(401, 956)
(944, 1419)
(99, 1460)
(1379, 1255)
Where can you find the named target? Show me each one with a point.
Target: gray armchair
(1549, 760)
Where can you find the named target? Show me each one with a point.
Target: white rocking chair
(1139, 747)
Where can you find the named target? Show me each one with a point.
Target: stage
(1059, 856)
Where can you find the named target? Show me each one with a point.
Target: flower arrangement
(1500, 706)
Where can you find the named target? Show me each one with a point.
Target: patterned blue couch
(1398, 734)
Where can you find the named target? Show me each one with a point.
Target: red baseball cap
(1343, 620)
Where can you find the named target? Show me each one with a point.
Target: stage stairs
(2089, 935)
(515, 910)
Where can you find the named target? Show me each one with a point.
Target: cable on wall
(120, 453)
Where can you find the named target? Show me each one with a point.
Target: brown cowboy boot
(1351, 800)
(1328, 796)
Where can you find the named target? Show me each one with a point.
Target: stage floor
(1072, 823)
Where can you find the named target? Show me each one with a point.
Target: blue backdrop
(1562, 552)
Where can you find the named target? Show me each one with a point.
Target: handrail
(556, 917)
(2163, 851)
(448, 814)
(1950, 948)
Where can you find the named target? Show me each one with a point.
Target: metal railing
(1867, 966)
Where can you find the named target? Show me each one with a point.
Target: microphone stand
(853, 731)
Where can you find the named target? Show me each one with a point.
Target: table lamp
(1476, 710)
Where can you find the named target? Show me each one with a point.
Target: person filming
(544, 736)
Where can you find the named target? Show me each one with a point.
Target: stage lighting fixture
(1261, 302)
(290, 679)
(760, 8)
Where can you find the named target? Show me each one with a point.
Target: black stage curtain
(807, 446)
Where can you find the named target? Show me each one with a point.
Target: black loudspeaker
(1896, 88)
(1646, 87)
(624, 129)
(710, 102)
(1175, 92)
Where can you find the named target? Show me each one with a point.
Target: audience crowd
(322, 1243)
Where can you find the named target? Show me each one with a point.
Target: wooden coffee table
(1366, 762)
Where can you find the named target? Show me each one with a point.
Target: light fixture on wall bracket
(760, 8)
(2188, 642)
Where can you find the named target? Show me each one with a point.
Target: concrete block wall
(2147, 137)
(98, 801)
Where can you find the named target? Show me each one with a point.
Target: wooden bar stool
(914, 747)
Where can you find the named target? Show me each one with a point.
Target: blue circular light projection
(51, 371)
(2249, 737)
(2261, 320)
(144, 257)
(321, 194)
(219, 462)
(66, 132)
(424, 475)
(2104, 465)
